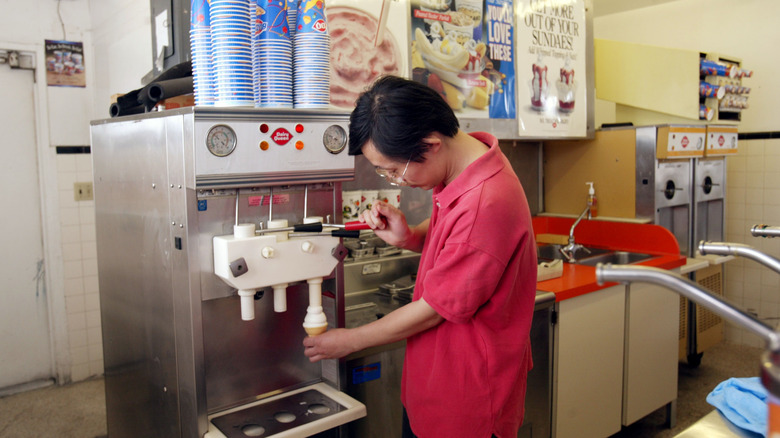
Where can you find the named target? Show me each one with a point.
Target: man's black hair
(395, 115)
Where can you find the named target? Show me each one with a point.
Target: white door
(25, 345)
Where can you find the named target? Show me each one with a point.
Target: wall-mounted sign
(551, 68)
(465, 50)
(65, 64)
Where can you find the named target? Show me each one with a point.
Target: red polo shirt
(466, 377)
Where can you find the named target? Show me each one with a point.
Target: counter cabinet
(615, 359)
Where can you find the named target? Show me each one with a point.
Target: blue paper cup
(311, 17)
(199, 13)
(273, 19)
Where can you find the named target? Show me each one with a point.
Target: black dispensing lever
(315, 227)
(349, 229)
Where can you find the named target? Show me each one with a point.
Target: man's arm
(399, 324)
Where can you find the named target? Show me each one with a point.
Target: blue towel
(743, 402)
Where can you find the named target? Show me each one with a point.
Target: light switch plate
(82, 191)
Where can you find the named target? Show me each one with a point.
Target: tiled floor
(718, 364)
(78, 410)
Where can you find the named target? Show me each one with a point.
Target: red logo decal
(721, 140)
(685, 142)
(281, 136)
(320, 25)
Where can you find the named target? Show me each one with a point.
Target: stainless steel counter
(714, 425)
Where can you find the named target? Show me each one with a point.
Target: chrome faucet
(571, 249)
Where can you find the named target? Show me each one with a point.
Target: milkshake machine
(214, 265)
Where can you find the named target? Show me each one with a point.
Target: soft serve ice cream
(354, 61)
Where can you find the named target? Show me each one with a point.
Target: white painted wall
(123, 48)
(117, 45)
(32, 22)
(746, 29)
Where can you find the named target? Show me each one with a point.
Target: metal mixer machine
(204, 289)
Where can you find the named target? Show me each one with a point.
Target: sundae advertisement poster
(368, 39)
(551, 68)
(464, 49)
(65, 64)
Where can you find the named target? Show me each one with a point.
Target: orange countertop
(577, 280)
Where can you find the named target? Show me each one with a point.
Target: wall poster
(464, 50)
(65, 64)
(551, 70)
(360, 53)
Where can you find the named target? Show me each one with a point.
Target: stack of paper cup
(292, 17)
(391, 196)
(368, 199)
(350, 204)
(232, 48)
(312, 56)
(272, 55)
(200, 46)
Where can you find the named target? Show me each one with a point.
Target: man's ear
(433, 141)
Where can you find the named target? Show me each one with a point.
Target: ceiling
(607, 7)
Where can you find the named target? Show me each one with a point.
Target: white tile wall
(753, 197)
(79, 253)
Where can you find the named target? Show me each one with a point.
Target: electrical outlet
(82, 191)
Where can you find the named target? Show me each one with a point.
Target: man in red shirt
(467, 328)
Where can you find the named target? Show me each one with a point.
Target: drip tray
(299, 413)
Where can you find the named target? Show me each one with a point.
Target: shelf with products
(722, 95)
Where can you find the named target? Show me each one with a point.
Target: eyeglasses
(391, 177)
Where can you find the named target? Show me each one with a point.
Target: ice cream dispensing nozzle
(315, 322)
(248, 260)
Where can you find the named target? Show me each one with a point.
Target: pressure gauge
(221, 140)
(334, 139)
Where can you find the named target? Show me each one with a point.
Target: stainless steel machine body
(663, 188)
(709, 194)
(176, 350)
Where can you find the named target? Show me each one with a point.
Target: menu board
(464, 50)
(551, 60)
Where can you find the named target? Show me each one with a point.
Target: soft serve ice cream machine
(214, 263)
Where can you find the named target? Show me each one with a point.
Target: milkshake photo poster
(464, 49)
(551, 68)
(368, 39)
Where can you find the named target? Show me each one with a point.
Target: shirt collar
(481, 169)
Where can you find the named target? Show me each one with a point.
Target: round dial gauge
(221, 140)
(334, 139)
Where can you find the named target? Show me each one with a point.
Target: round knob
(267, 252)
(307, 247)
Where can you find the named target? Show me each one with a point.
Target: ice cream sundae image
(538, 84)
(567, 88)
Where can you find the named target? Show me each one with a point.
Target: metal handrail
(690, 290)
(762, 230)
(739, 249)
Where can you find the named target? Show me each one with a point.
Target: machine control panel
(262, 148)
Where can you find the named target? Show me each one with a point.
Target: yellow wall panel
(649, 77)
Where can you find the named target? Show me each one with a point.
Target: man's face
(405, 173)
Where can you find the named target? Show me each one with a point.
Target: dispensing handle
(315, 227)
(350, 226)
(356, 225)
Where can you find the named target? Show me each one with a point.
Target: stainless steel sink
(616, 258)
(590, 256)
(553, 252)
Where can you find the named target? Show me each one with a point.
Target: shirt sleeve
(464, 278)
